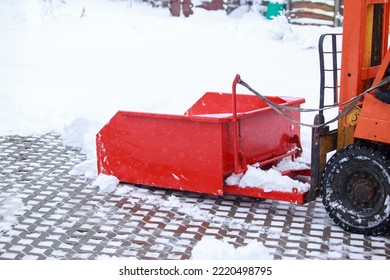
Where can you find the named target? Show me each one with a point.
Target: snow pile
(240, 11)
(270, 180)
(210, 248)
(287, 164)
(10, 208)
(106, 183)
(281, 29)
(80, 135)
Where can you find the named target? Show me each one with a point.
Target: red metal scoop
(219, 135)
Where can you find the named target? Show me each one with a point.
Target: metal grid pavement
(45, 213)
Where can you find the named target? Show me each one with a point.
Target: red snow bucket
(220, 134)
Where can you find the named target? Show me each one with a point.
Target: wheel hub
(362, 191)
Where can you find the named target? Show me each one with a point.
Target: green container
(274, 10)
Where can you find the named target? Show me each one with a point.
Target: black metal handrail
(334, 68)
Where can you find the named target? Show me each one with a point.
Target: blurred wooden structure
(313, 12)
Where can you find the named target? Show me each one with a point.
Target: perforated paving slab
(45, 213)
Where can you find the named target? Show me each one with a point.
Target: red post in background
(176, 6)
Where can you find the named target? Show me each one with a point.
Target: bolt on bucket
(221, 134)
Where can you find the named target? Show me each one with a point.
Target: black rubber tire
(356, 190)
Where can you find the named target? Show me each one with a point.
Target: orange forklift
(355, 182)
(226, 134)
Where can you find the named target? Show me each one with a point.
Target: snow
(210, 248)
(80, 135)
(269, 180)
(68, 66)
(10, 208)
(278, 1)
(106, 183)
(240, 11)
(288, 164)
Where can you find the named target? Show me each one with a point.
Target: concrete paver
(45, 213)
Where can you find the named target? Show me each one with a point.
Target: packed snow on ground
(211, 249)
(68, 65)
(10, 208)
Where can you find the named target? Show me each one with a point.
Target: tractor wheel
(356, 190)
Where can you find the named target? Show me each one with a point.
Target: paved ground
(47, 214)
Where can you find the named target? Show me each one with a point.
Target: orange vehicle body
(365, 61)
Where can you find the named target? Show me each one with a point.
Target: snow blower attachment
(226, 143)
